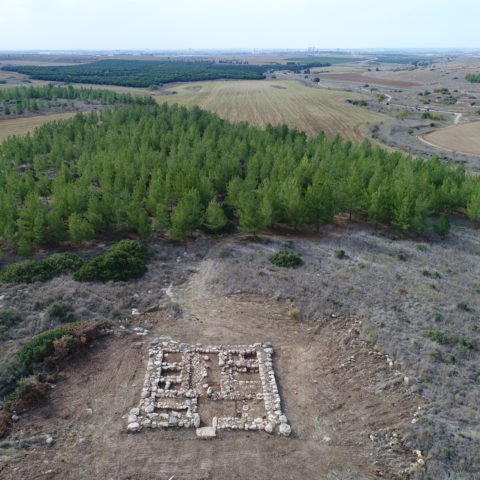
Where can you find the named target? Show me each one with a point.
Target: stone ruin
(208, 388)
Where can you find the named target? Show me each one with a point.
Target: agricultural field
(24, 125)
(279, 102)
(464, 138)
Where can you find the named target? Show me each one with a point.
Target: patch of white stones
(173, 390)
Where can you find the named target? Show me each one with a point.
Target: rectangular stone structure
(224, 387)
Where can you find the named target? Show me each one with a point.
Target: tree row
(167, 168)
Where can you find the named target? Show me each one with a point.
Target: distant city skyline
(246, 24)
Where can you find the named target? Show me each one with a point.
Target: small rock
(15, 418)
(196, 420)
(135, 411)
(132, 418)
(49, 440)
(133, 427)
(285, 429)
(283, 419)
(269, 428)
(206, 432)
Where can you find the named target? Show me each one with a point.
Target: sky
(250, 24)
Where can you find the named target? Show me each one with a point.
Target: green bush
(124, 261)
(39, 347)
(60, 312)
(24, 386)
(29, 271)
(340, 253)
(436, 336)
(9, 317)
(284, 258)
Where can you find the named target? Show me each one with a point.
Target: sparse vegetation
(60, 312)
(473, 77)
(9, 317)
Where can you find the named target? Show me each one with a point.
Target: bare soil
(343, 418)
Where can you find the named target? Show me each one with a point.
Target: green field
(279, 102)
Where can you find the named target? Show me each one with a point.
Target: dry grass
(23, 125)
(360, 77)
(279, 102)
(464, 138)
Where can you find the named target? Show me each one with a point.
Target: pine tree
(442, 226)
(215, 218)
(187, 215)
(24, 248)
(380, 204)
(162, 219)
(293, 203)
(319, 203)
(79, 229)
(473, 204)
(254, 212)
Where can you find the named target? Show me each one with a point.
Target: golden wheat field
(464, 138)
(279, 102)
(23, 125)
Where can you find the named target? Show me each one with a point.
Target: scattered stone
(133, 427)
(285, 429)
(49, 440)
(206, 432)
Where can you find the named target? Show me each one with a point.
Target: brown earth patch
(345, 404)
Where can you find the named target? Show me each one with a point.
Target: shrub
(123, 261)
(27, 386)
(427, 273)
(29, 271)
(463, 306)
(442, 226)
(40, 347)
(436, 336)
(60, 312)
(340, 253)
(9, 317)
(284, 258)
(402, 256)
